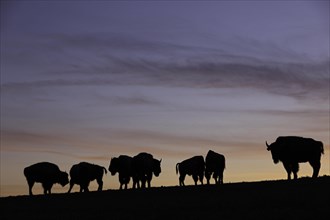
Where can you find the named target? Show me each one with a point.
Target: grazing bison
(214, 164)
(83, 173)
(194, 166)
(45, 173)
(123, 166)
(144, 165)
(292, 150)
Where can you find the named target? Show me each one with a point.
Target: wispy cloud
(132, 141)
(295, 80)
(103, 60)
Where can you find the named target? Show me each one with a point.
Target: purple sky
(87, 81)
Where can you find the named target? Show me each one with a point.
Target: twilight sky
(87, 81)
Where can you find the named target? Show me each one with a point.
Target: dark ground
(305, 198)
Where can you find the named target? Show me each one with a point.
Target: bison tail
(105, 170)
(177, 168)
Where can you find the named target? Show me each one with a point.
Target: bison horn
(267, 146)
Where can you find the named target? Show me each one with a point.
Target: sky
(88, 81)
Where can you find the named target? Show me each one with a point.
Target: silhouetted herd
(290, 150)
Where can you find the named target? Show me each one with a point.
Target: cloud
(31, 140)
(129, 142)
(57, 83)
(295, 80)
(39, 143)
(108, 59)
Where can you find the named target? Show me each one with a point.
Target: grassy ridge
(302, 199)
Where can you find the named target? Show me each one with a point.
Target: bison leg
(143, 184)
(30, 183)
(221, 178)
(295, 168)
(100, 182)
(127, 180)
(215, 177)
(121, 181)
(71, 186)
(136, 183)
(84, 187)
(44, 186)
(208, 177)
(195, 178)
(316, 167)
(287, 167)
(216, 180)
(149, 178)
(201, 177)
(181, 179)
(144, 180)
(47, 188)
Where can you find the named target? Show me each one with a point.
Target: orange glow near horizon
(251, 168)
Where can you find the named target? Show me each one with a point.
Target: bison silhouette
(144, 166)
(194, 166)
(83, 173)
(292, 150)
(214, 164)
(123, 166)
(45, 173)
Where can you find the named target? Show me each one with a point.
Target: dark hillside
(302, 199)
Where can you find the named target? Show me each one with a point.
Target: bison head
(273, 149)
(156, 167)
(114, 166)
(63, 178)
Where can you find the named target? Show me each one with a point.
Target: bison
(291, 151)
(214, 164)
(194, 166)
(45, 173)
(144, 166)
(83, 173)
(123, 166)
